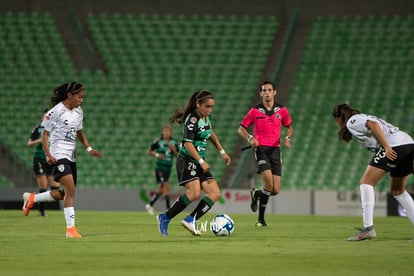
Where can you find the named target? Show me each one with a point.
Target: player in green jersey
(41, 169)
(193, 171)
(164, 149)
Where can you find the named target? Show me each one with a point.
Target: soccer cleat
(25, 199)
(189, 223)
(150, 209)
(28, 202)
(254, 203)
(367, 233)
(71, 232)
(261, 223)
(163, 221)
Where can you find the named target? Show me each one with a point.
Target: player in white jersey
(394, 154)
(64, 125)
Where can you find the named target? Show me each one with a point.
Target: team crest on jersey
(278, 116)
(61, 168)
(193, 120)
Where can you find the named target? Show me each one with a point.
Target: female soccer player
(193, 171)
(268, 118)
(164, 149)
(64, 123)
(41, 169)
(394, 153)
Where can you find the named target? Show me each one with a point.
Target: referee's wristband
(249, 138)
(89, 149)
(200, 161)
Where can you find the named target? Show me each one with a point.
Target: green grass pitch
(128, 243)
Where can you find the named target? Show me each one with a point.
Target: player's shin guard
(263, 199)
(367, 202)
(42, 204)
(203, 206)
(154, 199)
(167, 201)
(407, 203)
(178, 206)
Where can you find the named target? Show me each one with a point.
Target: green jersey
(198, 132)
(161, 146)
(39, 154)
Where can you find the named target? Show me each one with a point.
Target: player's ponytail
(343, 112)
(181, 113)
(60, 93)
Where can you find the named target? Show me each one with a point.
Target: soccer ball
(222, 225)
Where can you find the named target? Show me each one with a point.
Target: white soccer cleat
(189, 223)
(25, 199)
(150, 209)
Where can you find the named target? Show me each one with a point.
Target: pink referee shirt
(267, 124)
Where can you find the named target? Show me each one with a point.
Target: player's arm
(174, 148)
(85, 143)
(242, 131)
(45, 144)
(288, 137)
(189, 146)
(34, 138)
(31, 143)
(216, 142)
(379, 135)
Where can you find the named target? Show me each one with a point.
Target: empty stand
(364, 61)
(153, 64)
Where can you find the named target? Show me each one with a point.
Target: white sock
(407, 203)
(43, 197)
(367, 202)
(69, 216)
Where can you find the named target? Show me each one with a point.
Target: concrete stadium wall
(234, 201)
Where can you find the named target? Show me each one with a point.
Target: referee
(268, 118)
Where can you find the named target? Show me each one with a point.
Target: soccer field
(128, 243)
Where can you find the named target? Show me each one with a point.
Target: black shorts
(188, 170)
(268, 158)
(41, 167)
(64, 167)
(162, 176)
(400, 167)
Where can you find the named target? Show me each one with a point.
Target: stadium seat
(148, 58)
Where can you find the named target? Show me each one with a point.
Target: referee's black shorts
(268, 158)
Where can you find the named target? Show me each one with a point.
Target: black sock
(167, 201)
(203, 206)
(154, 199)
(178, 206)
(257, 194)
(263, 199)
(42, 204)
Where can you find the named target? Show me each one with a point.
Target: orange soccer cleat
(28, 202)
(71, 232)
